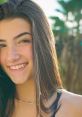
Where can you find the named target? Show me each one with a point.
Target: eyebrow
(1, 40)
(21, 34)
(18, 36)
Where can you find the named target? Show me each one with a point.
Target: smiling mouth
(17, 67)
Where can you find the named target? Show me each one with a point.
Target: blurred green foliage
(68, 34)
(3, 1)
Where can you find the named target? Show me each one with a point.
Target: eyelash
(22, 41)
(2, 45)
(25, 41)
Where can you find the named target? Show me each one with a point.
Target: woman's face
(16, 49)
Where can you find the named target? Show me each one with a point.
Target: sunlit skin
(17, 58)
(16, 49)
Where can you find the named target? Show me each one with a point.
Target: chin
(18, 80)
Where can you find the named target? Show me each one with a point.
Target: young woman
(30, 84)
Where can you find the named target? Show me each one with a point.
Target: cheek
(28, 52)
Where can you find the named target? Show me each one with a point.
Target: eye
(2, 45)
(25, 41)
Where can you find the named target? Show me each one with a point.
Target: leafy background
(3, 1)
(68, 35)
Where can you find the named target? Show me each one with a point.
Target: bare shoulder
(74, 99)
(70, 103)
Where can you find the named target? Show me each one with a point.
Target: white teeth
(16, 67)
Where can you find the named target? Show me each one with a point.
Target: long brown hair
(46, 73)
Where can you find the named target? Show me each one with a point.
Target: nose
(12, 54)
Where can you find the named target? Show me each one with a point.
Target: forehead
(12, 27)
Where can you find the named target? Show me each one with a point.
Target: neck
(26, 92)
